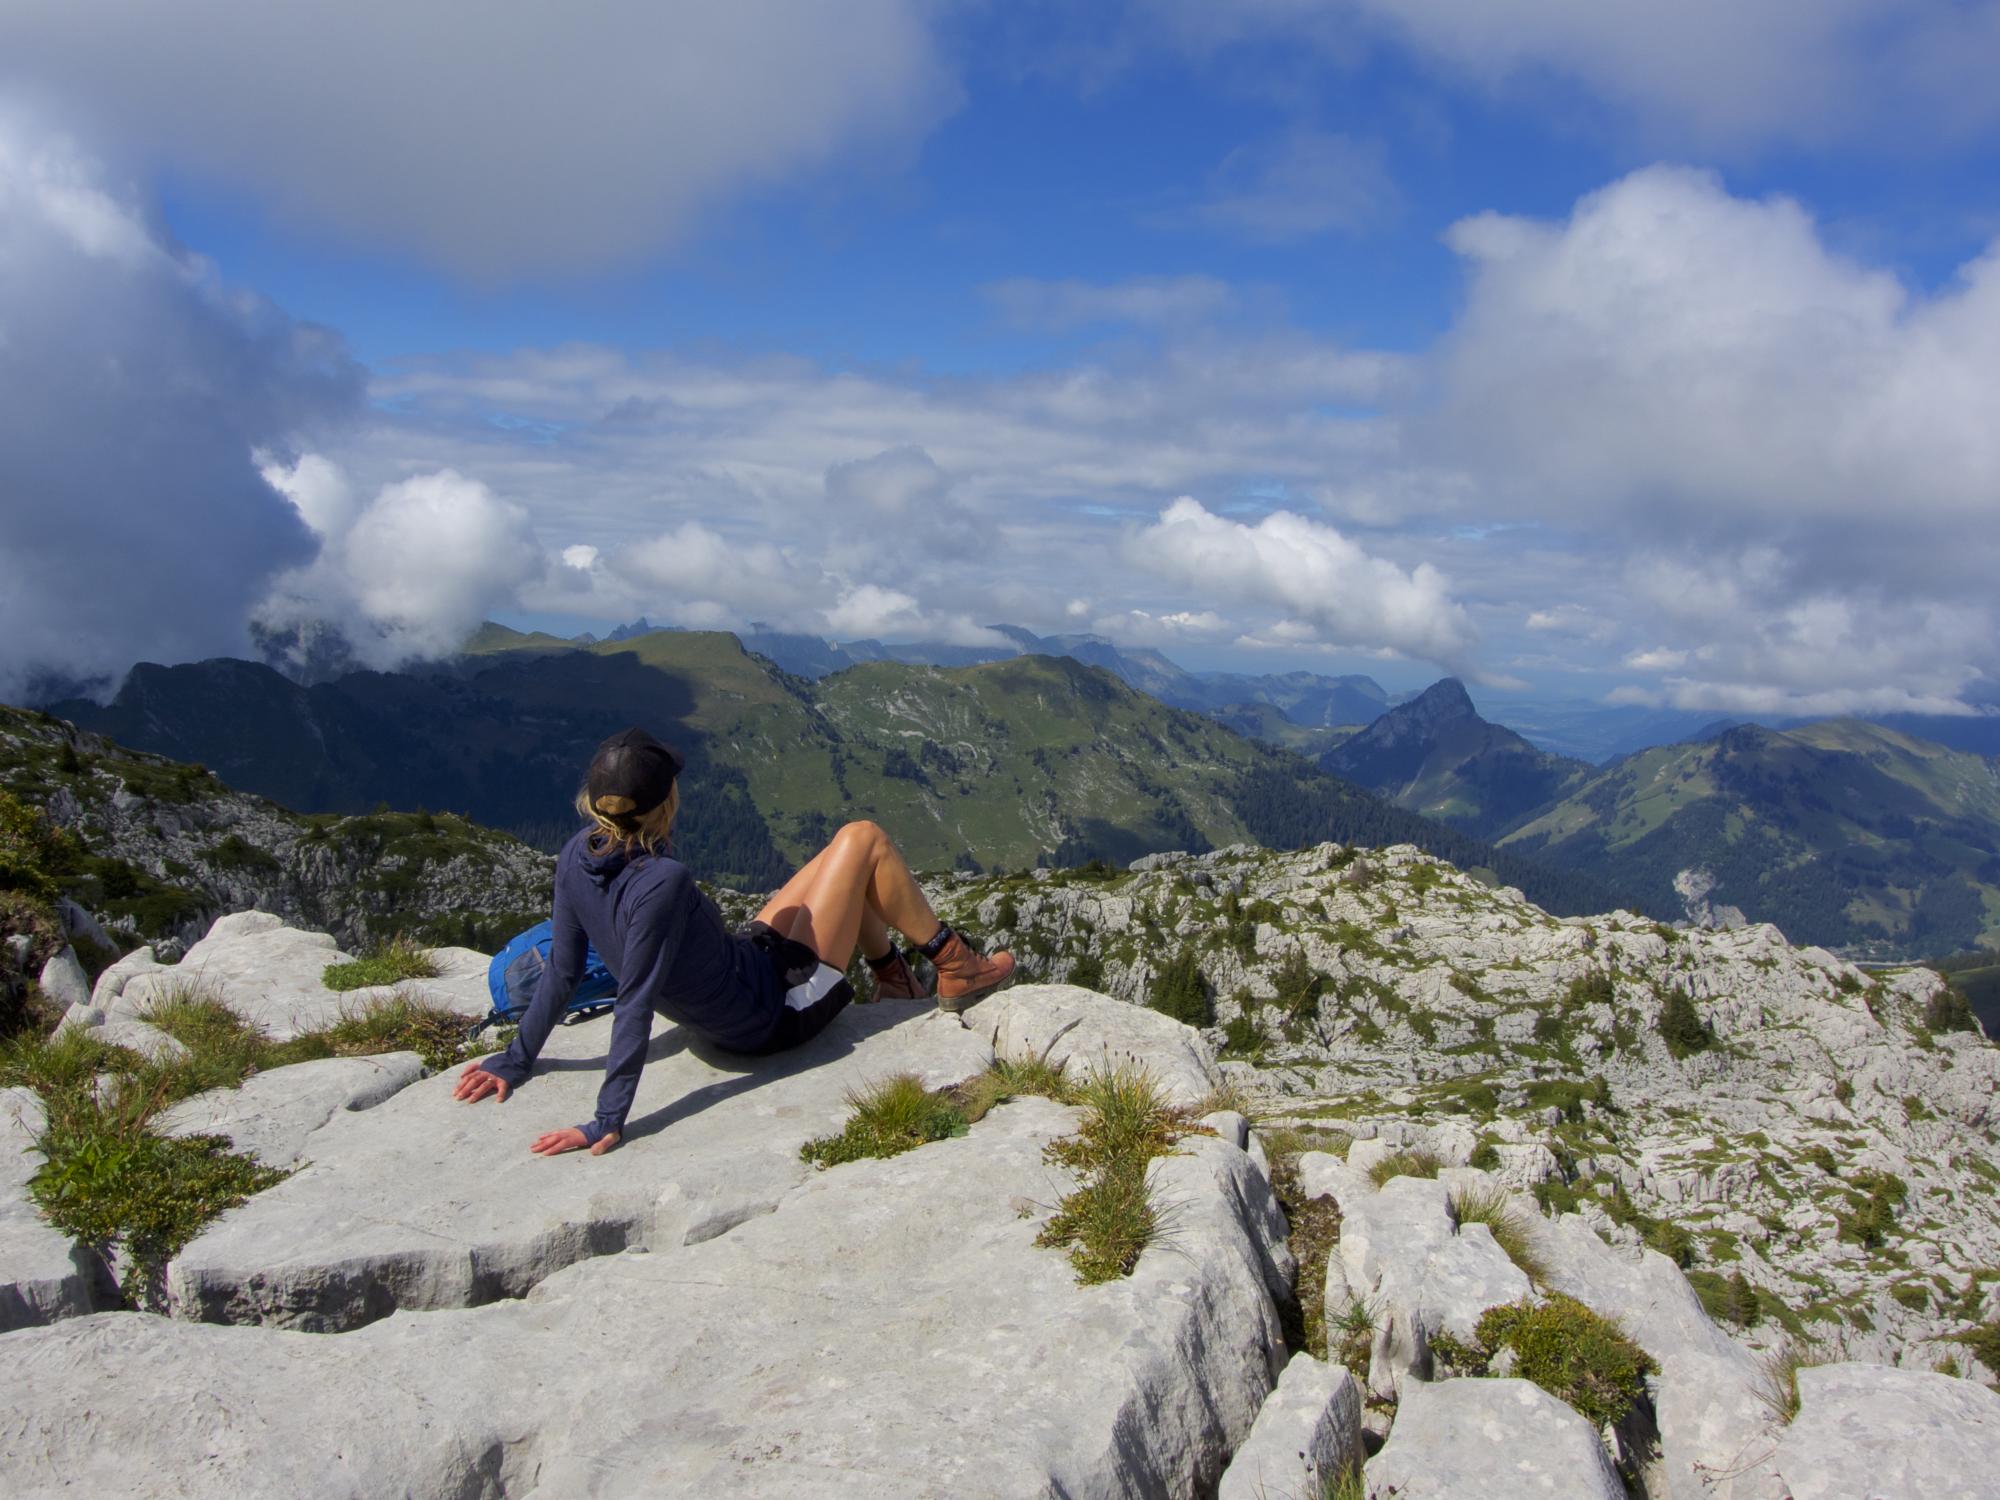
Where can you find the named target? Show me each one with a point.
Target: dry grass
(1411, 1163)
(1511, 1226)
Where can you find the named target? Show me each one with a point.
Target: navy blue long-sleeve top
(667, 945)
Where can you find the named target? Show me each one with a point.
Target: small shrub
(1350, 1335)
(1872, 1212)
(1911, 1294)
(895, 1115)
(1948, 1010)
(1594, 988)
(1984, 1343)
(1228, 1096)
(1241, 1037)
(1728, 1299)
(1572, 1353)
(1411, 1163)
(1180, 991)
(1681, 1026)
(1485, 1155)
(388, 963)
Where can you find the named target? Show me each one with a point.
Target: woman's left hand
(555, 1142)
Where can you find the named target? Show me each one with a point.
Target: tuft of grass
(1984, 1341)
(402, 957)
(1572, 1353)
(400, 1022)
(894, 1115)
(1494, 1207)
(1230, 1096)
(1778, 1381)
(1110, 1217)
(1008, 1079)
(1411, 1163)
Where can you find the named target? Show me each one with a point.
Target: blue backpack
(517, 968)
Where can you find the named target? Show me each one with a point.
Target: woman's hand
(555, 1142)
(476, 1083)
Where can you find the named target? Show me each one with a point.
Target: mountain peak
(1444, 699)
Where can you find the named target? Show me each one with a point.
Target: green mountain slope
(1841, 832)
(1434, 755)
(1004, 765)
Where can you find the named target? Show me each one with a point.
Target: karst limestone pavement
(424, 1308)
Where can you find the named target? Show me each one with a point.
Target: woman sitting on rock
(774, 986)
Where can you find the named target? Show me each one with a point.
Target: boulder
(424, 1202)
(63, 980)
(1090, 1032)
(266, 972)
(891, 1328)
(44, 1275)
(1872, 1430)
(1306, 1436)
(111, 983)
(1494, 1439)
(273, 1115)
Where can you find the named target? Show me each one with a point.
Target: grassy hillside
(1841, 832)
(1034, 759)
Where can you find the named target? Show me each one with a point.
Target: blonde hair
(651, 832)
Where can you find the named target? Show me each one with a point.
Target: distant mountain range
(1000, 765)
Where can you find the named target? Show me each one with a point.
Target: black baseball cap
(633, 765)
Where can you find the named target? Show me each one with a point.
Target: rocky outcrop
(173, 848)
(1865, 1430)
(1385, 997)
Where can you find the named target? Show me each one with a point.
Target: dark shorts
(811, 992)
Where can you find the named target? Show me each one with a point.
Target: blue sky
(1583, 350)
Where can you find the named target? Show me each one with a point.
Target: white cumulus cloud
(1326, 587)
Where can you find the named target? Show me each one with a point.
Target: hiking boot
(895, 979)
(963, 975)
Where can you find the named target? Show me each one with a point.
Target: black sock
(879, 964)
(936, 945)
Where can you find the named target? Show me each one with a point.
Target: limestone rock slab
(266, 972)
(1306, 1436)
(1873, 1430)
(1091, 1032)
(1494, 1439)
(44, 1275)
(273, 1115)
(891, 1329)
(424, 1202)
(63, 980)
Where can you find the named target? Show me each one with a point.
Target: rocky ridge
(423, 1308)
(1815, 1134)
(163, 848)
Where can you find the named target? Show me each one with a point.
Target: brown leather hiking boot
(964, 977)
(895, 979)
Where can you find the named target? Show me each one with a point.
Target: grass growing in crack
(1314, 1229)
(1404, 1164)
(1778, 1381)
(1350, 1337)
(400, 958)
(1110, 1217)
(400, 1023)
(1229, 1096)
(1570, 1352)
(1007, 1079)
(1494, 1207)
(894, 1115)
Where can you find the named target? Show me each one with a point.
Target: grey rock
(1402, 1255)
(274, 1115)
(1089, 1033)
(1494, 1439)
(1306, 1436)
(266, 972)
(111, 983)
(44, 1275)
(891, 1329)
(1869, 1432)
(423, 1202)
(63, 980)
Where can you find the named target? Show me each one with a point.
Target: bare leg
(852, 891)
